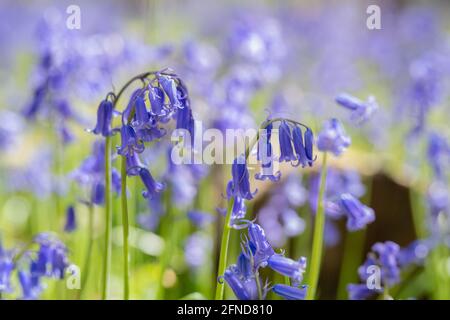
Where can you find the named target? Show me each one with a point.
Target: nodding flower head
(71, 223)
(152, 187)
(130, 141)
(240, 184)
(288, 267)
(333, 138)
(358, 215)
(388, 254)
(303, 146)
(52, 258)
(361, 111)
(133, 164)
(285, 139)
(290, 293)
(104, 118)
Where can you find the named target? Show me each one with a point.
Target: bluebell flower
(169, 86)
(288, 267)
(243, 288)
(141, 116)
(303, 148)
(6, 269)
(361, 111)
(71, 223)
(152, 187)
(130, 141)
(388, 253)
(415, 253)
(133, 164)
(285, 139)
(262, 248)
(240, 184)
(156, 98)
(358, 215)
(98, 193)
(438, 154)
(265, 156)
(290, 293)
(333, 138)
(104, 118)
(52, 259)
(37, 101)
(30, 291)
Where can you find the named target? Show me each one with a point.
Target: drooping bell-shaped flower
(285, 139)
(169, 86)
(30, 291)
(104, 118)
(156, 98)
(303, 147)
(142, 116)
(71, 223)
(240, 183)
(243, 288)
(333, 138)
(358, 215)
(361, 111)
(152, 187)
(288, 267)
(263, 249)
(290, 293)
(133, 164)
(130, 141)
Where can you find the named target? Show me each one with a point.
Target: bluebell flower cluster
(332, 138)
(244, 279)
(391, 260)
(361, 111)
(49, 261)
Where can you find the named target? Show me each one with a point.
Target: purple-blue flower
(285, 139)
(240, 184)
(288, 267)
(358, 215)
(152, 187)
(6, 269)
(290, 293)
(361, 111)
(130, 142)
(333, 138)
(104, 118)
(71, 223)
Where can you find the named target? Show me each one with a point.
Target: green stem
(87, 260)
(108, 220)
(220, 288)
(125, 229)
(317, 246)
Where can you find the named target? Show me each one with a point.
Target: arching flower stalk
(162, 97)
(293, 149)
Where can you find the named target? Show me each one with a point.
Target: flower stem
(125, 230)
(220, 288)
(87, 259)
(317, 246)
(108, 220)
